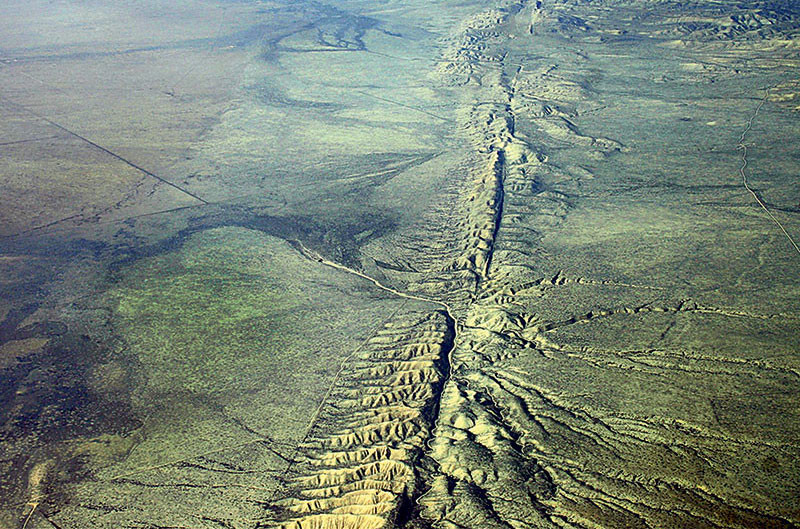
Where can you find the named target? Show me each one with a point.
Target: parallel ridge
(358, 464)
(419, 255)
(750, 22)
(510, 453)
(457, 269)
(468, 47)
(489, 126)
(484, 479)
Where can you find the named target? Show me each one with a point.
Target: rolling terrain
(400, 265)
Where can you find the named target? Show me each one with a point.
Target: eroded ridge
(511, 452)
(487, 119)
(486, 477)
(470, 46)
(474, 61)
(359, 465)
(478, 454)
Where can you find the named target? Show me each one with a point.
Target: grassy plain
(398, 264)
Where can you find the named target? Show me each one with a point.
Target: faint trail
(206, 56)
(139, 470)
(27, 141)
(338, 375)
(310, 254)
(742, 171)
(293, 458)
(314, 256)
(398, 103)
(8, 62)
(56, 223)
(107, 151)
(33, 506)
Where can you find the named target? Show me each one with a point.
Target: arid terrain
(399, 264)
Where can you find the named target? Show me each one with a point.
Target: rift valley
(400, 264)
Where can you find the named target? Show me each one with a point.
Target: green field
(399, 264)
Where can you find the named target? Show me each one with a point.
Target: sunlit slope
(522, 265)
